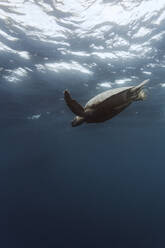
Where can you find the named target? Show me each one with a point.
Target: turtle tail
(74, 106)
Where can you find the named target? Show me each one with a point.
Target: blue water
(96, 185)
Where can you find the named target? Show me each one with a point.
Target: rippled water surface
(97, 185)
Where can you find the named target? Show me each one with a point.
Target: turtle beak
(77, 121)
(74, 123)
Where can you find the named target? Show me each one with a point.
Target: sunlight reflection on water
(106, 42)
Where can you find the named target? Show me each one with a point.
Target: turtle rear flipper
(137, 93)
(74, 106)
(140, 86)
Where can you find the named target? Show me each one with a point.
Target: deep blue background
(97, 185)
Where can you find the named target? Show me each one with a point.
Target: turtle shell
(109, 97)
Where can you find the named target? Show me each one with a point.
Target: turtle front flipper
(74, 106)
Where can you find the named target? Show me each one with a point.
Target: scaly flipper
(74, 106)
(137, 93)
(140, 86)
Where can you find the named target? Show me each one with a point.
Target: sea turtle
(106, 105)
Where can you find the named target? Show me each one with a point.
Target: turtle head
(77, 121)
